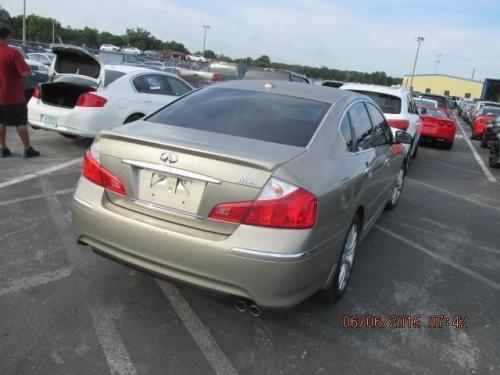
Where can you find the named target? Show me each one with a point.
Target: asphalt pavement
(65, 310)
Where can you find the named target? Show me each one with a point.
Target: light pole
(205, 28)
(438, 62)
(53, 31)
(24, 22)
(420, 39)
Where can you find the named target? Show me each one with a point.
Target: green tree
(263, 61)
(4, 17)
(209, 54)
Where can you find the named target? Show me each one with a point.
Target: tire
(493, 159)
(69, 136)
(398, 188)
(447, 145)
(345, 264)
(484, 141)
(133, 117)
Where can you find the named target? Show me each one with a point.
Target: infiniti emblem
(169, 156)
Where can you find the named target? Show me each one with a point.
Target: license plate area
(50, 121)
(170, 191)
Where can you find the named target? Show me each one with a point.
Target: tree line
(39, 29)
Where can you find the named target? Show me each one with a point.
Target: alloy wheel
(347, 258)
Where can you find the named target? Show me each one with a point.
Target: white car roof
(400, 91)
(130, 69)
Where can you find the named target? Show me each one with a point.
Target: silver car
(261, 190)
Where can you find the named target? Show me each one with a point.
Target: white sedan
(85, 97)
(399, 109)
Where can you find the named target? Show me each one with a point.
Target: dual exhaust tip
(243, 306)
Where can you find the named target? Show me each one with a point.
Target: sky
(341, 34)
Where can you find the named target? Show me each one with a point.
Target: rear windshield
(224, 69)
(441, 101)
(495, 111)
(111, 75)
(426, 102)
(248, 114)
(388, 103)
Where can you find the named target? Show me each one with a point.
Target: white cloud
(332, 33)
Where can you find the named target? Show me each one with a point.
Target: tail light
(93, 171)
(90, 100)
(399, 124)
(279, 205)
(215, 77)
(36, 92)
(486, 120)
(445, 123)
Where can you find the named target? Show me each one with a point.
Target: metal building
(445, 85)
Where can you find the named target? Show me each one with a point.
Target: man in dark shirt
(13, 109)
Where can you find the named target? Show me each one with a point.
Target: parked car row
(484, 119)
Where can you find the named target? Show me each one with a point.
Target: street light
(24, 23)
(420, 39)
(438, 61)
(205, 28)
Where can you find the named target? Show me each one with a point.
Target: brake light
(445, 123)
(215, 77)
(90, 100)
(279, 205)
(399, 124)
(36, 92)
(93, 171)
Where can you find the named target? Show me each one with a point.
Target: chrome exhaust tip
(241, 306)
(255, 310)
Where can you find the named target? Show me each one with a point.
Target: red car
(485, 116)
(437, 126)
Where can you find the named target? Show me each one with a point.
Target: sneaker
(4, 152)
(31, 153)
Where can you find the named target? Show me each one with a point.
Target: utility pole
(205, 28)
(53, 31)
(24, 23)
(473, 72)
(420, 39)
(437, 62)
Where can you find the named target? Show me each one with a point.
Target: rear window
(111, 75)
(111, 58)
(495, 111)
(441, 101)
(248, 114)
(224, 69)
(388, 103)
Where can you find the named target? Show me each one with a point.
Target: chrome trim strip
(170, 170)
(264, 255)
(162, 209)
(82, 202)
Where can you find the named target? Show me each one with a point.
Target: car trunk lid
(77, 63)
(180, 174)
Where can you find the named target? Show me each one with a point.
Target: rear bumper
(271, 279)
(447, 134)
(85, 123)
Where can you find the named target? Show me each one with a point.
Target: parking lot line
(480, 161)
(24, 283)
(456, 195)
(36, 196)
(116, 355)
(440, 258)
(212, 352)
(39, 173)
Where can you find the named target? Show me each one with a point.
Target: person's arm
(22, 68)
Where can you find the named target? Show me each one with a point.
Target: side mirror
(403, 137)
